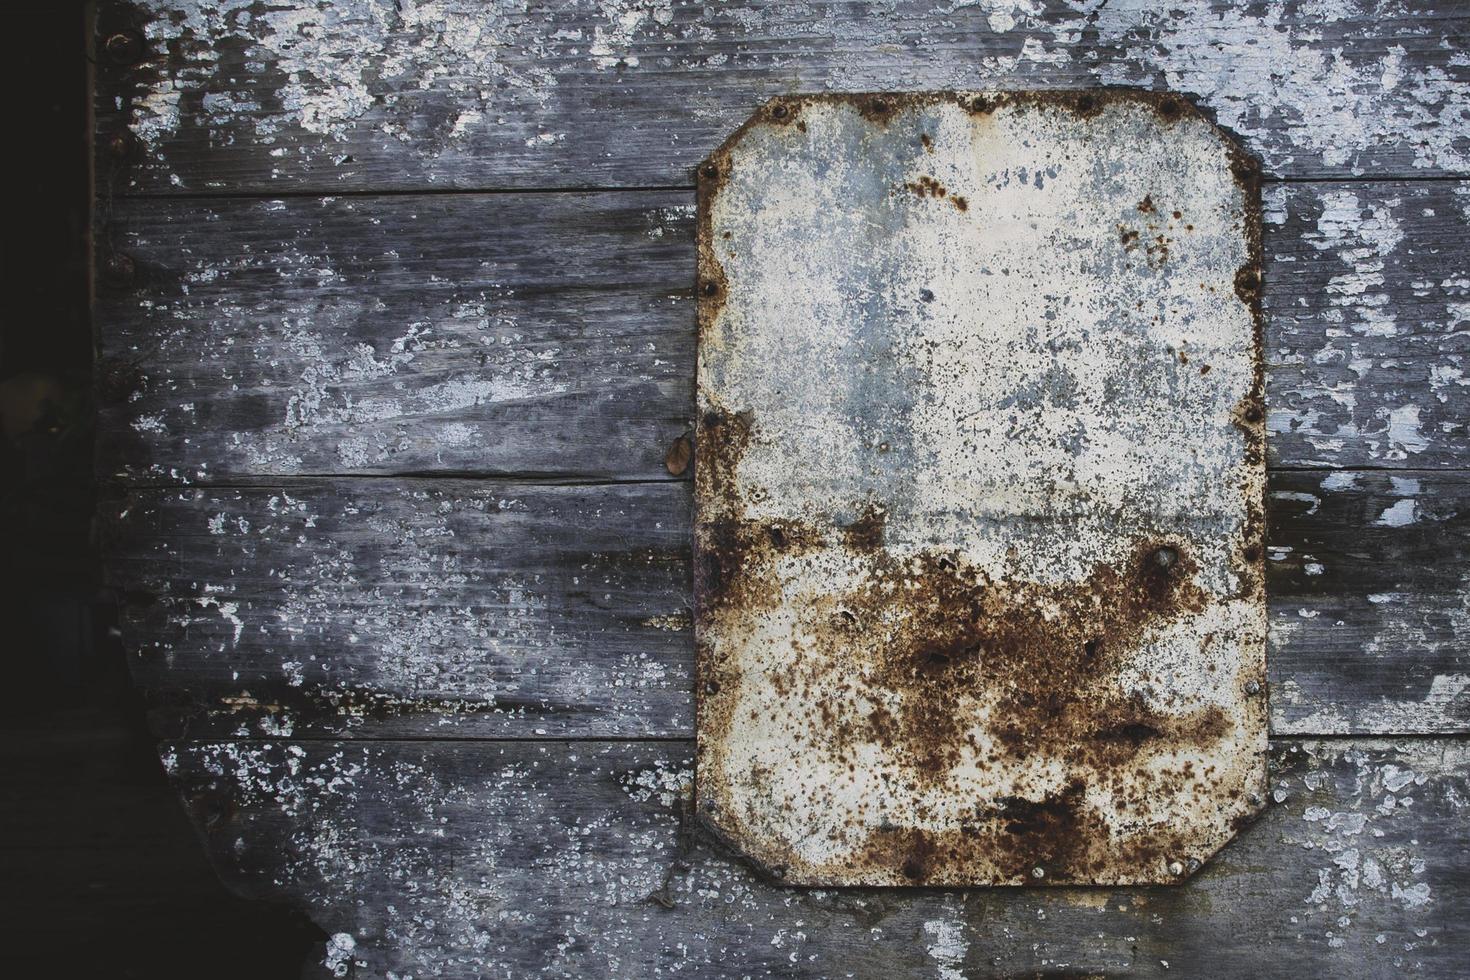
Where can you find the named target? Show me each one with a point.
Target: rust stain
(677, 459)
(926, 186)
(937, 718)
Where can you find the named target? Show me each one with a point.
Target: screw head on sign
(124, 48)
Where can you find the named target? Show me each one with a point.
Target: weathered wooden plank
(554, 334)
(1370, 593)
(1368, 324)
(360, 94)
(571, 859)
(465, 609)
(525, 334)
(439, 607)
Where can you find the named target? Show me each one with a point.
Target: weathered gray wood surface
(553, 334)
(376, 94)
(265, 361)
(468, 608)
(522, 334)
(567, 859)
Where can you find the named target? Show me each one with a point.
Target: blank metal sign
(979, 489)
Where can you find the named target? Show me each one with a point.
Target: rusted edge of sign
(1143, 592)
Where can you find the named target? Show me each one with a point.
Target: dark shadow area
(104, 875)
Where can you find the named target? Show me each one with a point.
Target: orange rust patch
(927, 186)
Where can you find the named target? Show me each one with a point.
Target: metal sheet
(979, 489)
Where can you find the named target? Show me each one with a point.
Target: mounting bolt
(1166, 556)
(780, 111)
(1038, 872)
(676, 461)
(1176, 868)
(1253, 687)
(122, 144)
(709, 171)
(710, 288)
(124, 48)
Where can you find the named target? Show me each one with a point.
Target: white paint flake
(1402, 513)
(1261, 74)
(340, 948)
(947, 946)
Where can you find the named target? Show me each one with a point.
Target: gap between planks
(121, 484)
(689, 740)
(650, 189)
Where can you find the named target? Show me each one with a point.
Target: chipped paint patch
(1337, 104)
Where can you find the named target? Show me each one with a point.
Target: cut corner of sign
(979, 490)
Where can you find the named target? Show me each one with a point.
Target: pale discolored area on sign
(979, 490)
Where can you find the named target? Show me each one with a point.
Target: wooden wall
(396, 329)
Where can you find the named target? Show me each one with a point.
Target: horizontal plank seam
(1370, 468)
(1364, 178)
(267, 482)
(403, 192)
(1453, 735)
(659, 188)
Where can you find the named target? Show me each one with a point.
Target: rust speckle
(927, 186)
(866, 533)
(981, 105)
(878, 109)
(929, 654)
(1248, 284)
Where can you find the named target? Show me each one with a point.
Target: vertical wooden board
(570, 859)
(357, 94)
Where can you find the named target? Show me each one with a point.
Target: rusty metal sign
(979, 489)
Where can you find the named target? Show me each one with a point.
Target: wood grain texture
(571, 859)
(372, 94)
(1368, 324)
(524, 334)
(466, 609)
(1368, 580)
(553, 334)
